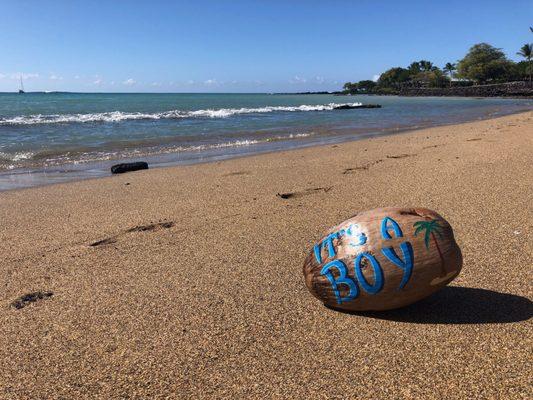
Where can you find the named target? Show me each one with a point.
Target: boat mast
(21, 84)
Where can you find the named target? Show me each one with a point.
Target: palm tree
(431, 228)
(426, 65)
(449, 68)
(526, 52)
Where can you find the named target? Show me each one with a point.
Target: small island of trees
(483, 64)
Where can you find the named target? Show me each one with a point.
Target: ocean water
(55, 137)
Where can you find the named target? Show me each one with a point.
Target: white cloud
(2, 76)
(297, 79)
(156, 84)
(129, 82)
(190, 82)
(319, 79)
(77, 77)
(375, 78)
(23, 75)
(211, 82)
(98, 82)
(112, 83)
(55, 77)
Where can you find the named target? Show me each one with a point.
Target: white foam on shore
(19, 156)
(118, 116)
(21, 159)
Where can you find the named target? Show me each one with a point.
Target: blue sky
(240, 46)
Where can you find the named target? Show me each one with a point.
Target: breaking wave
(118, 116)
(50, 158)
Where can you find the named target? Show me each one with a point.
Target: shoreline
(514, 89)
(32, 177)
(187, 281)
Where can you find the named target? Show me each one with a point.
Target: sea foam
(118, 116)
(50, 158)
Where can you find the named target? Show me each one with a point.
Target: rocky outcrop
(350, 107)
(510, 89)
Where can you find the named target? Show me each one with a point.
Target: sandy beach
(186, 282)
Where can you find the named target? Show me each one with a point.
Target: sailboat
(21, 90)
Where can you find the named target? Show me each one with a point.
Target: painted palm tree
(431, 229)
(449, 68)
(526, 52)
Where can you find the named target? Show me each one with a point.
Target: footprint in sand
(351, 170)
(102, 242)
(401, 155)
(29, 298)
(138, 228)
(360, 168)
(290, 195)
(237, 173)
(151, 227)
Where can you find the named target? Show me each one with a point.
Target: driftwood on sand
(128, 167)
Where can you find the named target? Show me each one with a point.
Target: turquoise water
(51, 137)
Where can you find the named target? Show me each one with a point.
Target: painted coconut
(383, 259)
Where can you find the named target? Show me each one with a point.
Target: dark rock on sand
(128, 167)
(23, 301)
(349, 106)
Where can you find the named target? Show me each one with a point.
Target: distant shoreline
(508, 90)
(518, 89)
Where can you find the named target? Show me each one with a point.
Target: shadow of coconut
(460, 305)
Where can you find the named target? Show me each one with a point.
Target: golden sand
(196, 288)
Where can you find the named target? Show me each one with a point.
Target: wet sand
(186, 282)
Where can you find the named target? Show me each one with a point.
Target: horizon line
(271, 93)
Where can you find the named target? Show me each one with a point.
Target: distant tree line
(483, 64)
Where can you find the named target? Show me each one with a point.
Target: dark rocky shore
(351, 107)
(511, 89)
